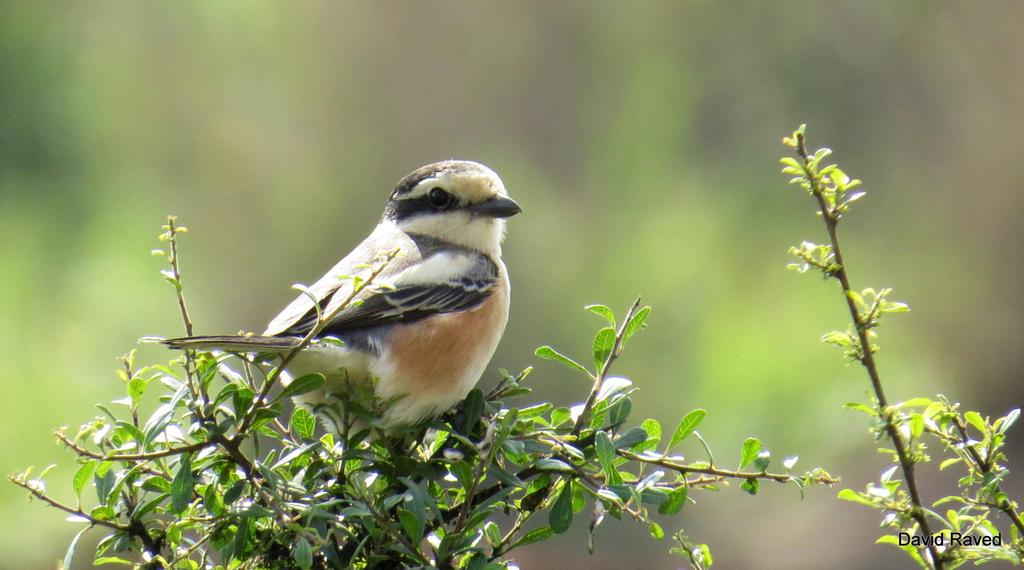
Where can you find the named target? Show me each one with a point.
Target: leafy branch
(905, 423)
(223, 473)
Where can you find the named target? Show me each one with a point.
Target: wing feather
(445, 282)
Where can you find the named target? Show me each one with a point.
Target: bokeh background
(642, 141)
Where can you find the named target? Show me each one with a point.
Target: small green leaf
(687, 426)
(103, 513)
(472, 409)
(535, 535)
(1008, 420)
(560, 517)
(751, 447)
(69, 556)
(653, 429)
(861, 408)
(604, 341)
(603, 311)
(550, 464)
(975, 419)
(301, 385)
(636, 323)
(676, 500)
(605, 449)
(104, 560)
(303, 423)
(655, 530)
(559, 416)
(181, 486)
(751, 486)
(762, 460)
(548, 353)
(82, 476)
(136, 388)
(855, 497)
(947, 462)
(303, 554)
(234, 492)
(630, 438)
(411, 525)
(492, 533)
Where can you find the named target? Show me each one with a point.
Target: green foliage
(204, 465)
(932, 538)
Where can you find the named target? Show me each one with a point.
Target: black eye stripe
(422, 205)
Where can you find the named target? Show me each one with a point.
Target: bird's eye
(439, 199)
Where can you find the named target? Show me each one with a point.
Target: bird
(424, 339)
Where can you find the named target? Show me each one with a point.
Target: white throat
(461, 228)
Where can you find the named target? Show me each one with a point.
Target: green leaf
(975, 419)
(861, 408)
(559, 416)
(762, 460)
(181, 486)
(303, 554)
(606, 456)
(655, 530)
(69, 556)
(676, 500)
(751, 447)
(303, 423)
(560, 517)
(103, 513)
(630, 438)
(548, 353)
(411, 525)
(687, 426)
(855, 497)
(103, 561)
(636, 323)
(136, 388)
(301, 385)
(550, 464)
(103, 479)
(492, 533)
(472, 409)
(619, 412)
(653, 429)
(535, 535)
(604, 341)
(1008, 420)
(82, 476)
(234, 492)
(603, 311)
(751, 486)
(947, 462)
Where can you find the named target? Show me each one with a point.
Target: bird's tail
(234, 343)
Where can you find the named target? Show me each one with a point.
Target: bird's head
(457, 201)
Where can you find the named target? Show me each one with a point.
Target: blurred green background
(642, 142)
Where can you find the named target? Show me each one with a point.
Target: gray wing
(445, 282)
(333, 285)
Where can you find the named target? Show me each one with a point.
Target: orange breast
(439, 354)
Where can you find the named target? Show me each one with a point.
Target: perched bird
(427, 337)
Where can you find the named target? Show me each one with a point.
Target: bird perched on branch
(426, 338)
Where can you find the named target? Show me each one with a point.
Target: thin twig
(867, 357)
(147, 456)
(602, 374)
(195, 387)
(678, 467)
(136, 529)
(985, 468)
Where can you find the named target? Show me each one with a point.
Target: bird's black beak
(496, 208)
